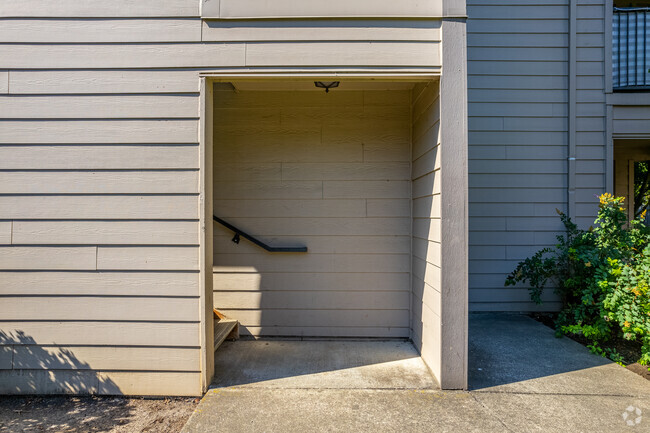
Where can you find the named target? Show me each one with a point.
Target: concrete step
(225, 329)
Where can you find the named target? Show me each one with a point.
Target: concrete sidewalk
(522, 378)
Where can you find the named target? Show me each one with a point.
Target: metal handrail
(240, 233)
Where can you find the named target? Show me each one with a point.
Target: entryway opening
(632, 176)
(297, 164)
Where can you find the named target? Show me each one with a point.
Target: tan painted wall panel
(98, 308)
(5, 232)
(298, 318)
(98, 131)
(4, 82)
(102, 333)
(80, 157)
(103, 81)
(261, 262)
(358, 252)
(343, 54)
(100, 30)
(307, 300)
(102, 182)
(285, 281)
(148, 258)
(150, 383)
(106, 232)
(268, 190)
(308, 30)
(350, 171)
(324, 226)
(98, 8)
(100, 107)
(48, 258)
(25, 56)
(328, 331)
(99, 207)
(335, 8)
(319, 244)
(106, 358)
(290, 208)
(100, 283)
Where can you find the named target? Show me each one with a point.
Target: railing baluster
(630, 42)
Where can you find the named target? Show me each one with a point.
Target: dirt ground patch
(63, 414)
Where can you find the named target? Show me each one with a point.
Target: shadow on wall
(29, 368)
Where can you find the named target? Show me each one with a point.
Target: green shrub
(601, 275)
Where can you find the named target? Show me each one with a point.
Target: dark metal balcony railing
(631, 49)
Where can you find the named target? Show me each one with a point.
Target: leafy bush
(602, 276)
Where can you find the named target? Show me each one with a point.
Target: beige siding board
(350, 171)
(268, 190)
(352, 318)
(150, 383)
(387, 300)
(48, 382)
(65, 56)
(247, 171)
(307, 30)
(48, 258)
(100, 30)
(99, 207)
(103, 81)
(4, 82)
(286, 281)
(324, 226)
(318, 244)
(342, 54)
(106, 232)
(98, 107)
(388, 208)
(98, 308)
(290, 208)
(261, 262)
(80, 157)
(99, 182)
(106, 358)
(5, 232)
(328, 331)
(98, 8)
(366, 189)
(100, 283)
(98, 131)
(335, 8)
(148, 258)
(102, 333)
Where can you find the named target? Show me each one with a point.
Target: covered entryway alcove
(353, 174)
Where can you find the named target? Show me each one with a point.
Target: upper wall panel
(98, 8)
(239, 9)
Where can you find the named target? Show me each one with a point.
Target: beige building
(427, 162)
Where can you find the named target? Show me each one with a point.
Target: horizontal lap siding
(518, 126)
(329, 171)
(99, 160)
(590, 109)
(426, 233)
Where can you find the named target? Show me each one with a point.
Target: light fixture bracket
(327, 85)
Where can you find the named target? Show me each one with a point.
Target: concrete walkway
(522, 378)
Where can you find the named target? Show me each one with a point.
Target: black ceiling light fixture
(327, 85)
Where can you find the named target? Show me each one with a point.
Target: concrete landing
(321, 365)
(522, 379)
